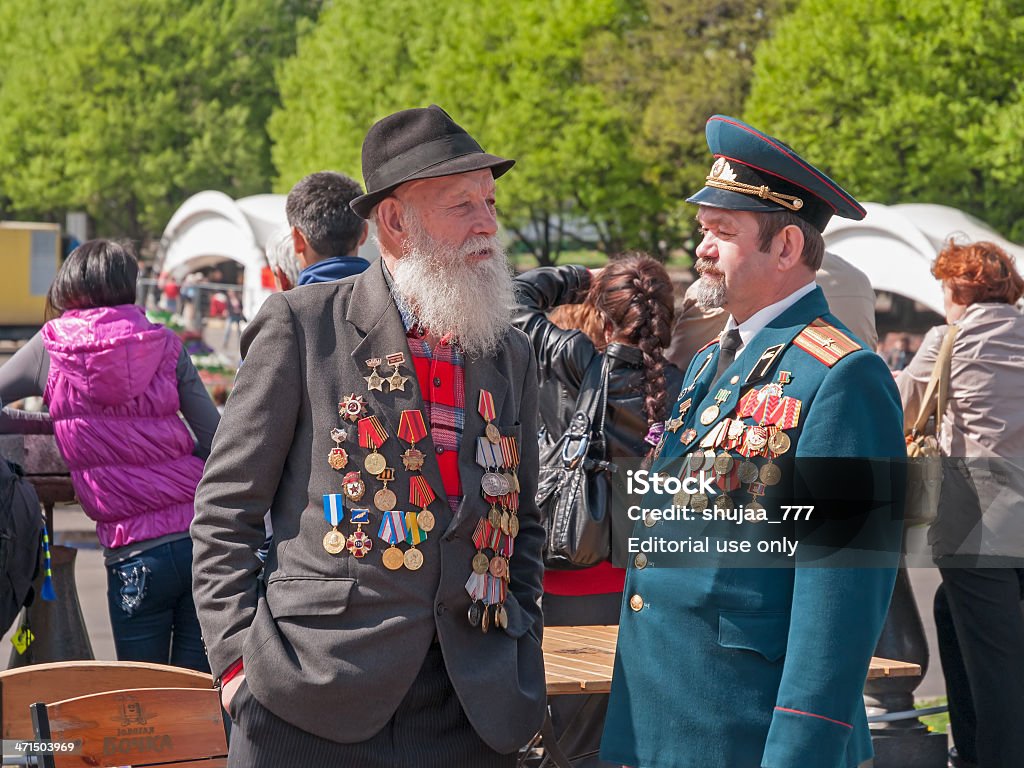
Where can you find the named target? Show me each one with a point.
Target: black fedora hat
(421, 143)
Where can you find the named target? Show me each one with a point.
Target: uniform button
(437, 381)
(439, 449)
(441, 609)
(636, 603)
(650, 521)
(640, 561)
(734, 380)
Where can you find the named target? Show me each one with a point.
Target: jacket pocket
(519, 622)
(763, 632)
(308, 596)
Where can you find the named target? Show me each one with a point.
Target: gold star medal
(396, 380)
(374, 380)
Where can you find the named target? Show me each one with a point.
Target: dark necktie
(729, 343)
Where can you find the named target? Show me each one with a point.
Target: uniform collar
(753, 325)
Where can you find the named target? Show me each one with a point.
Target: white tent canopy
(210, 227)
(895, 245)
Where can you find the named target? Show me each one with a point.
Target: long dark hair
(98, 273)
(634, 295)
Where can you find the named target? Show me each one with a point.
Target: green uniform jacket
(721, 666)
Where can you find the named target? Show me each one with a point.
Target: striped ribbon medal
(412, 428)
(413, 536)
(393, 530)
(421, 495)
(372, 435)
(485, 407)
(488, 456)
(334, 513)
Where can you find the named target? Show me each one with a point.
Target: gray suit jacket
(332, 643)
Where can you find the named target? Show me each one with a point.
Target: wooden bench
(24, 686)
(137, 727)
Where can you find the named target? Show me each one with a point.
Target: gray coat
(981, 505)
(331, 644)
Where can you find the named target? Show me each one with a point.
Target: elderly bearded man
(387, 420)
(757, 661)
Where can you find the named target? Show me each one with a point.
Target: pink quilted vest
(113, 396)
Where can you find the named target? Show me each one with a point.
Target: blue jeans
(151, 608)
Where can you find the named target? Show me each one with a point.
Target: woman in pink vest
(123, 395)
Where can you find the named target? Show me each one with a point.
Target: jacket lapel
(373, 311)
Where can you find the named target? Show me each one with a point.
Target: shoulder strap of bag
(586, 429)
(937, 392)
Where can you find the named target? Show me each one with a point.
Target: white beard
(710, 288)
(449, 295)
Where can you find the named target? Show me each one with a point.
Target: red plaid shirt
(441, 373)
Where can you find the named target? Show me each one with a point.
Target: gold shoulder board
(825, 342)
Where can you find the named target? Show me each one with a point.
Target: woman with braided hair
(633, 300)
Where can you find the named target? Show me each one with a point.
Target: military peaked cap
(756, 172)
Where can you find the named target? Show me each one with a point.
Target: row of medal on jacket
(396, 527)
(495, 533)
(750, 441)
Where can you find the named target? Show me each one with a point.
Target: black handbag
(574, 484)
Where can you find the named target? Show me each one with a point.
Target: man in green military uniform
(740, 663)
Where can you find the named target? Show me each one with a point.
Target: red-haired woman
(978, 538)
(633, 299)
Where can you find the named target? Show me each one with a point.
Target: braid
(635, 294)
(654, 328)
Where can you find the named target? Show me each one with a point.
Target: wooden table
(580, 659)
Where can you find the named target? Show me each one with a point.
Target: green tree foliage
(123, 108)
(904, 102)
(672, 65)
(511, 72)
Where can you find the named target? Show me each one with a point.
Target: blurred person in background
(899, 355)
(978, 537)
(123, 395)
(326, 232)
(281, 258)
(235, 315)
(632, 300)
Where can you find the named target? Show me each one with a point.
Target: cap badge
(722, 170)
